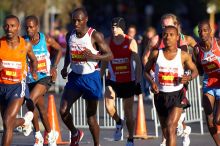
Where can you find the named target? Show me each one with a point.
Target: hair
(172, 27)
(204, 22)
(11, 17)
(175, 19)
(151, 29)
(132, 26)
(33, 18)
(81, 9)
(119, 22)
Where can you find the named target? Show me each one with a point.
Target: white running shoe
(27, 126)
(39, 140)
(179, 130)
(118, 131)
(52, 138)
(185, 136)
(163, 143)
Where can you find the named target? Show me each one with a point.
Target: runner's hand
(34, 74)
(64, 73)
(53, 73)
(154, 88)
(88, 54)
(185, 78)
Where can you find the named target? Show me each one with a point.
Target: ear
(178, 37)
(19, 26)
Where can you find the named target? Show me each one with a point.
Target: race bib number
(42, 63)
(11, 71)
(77, 56)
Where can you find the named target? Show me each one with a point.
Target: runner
(169, 79)
(186, 43)
(208, 61)
(13, 71)
(46, 76)
(123, 78)
(85, 47)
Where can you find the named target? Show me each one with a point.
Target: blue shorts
(9, 92)
(89, 85)
(212, 91)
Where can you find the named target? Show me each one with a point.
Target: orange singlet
(14, 62)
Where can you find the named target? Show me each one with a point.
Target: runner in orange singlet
(13, 69)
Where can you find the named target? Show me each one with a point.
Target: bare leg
(208, 105)
(128, 109)
(10, 121)
(172, 121)
(110, 103)
(42, 110)
(91, 117)
(69, 97)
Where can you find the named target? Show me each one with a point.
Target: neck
(35, 37)
(207, 44)
(171, 49)
(82, 32)
(119, 38)
(13, 40)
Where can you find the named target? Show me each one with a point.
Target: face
(11, 27)
(204, 32)
(116, 31)
(31, 27)
(167, 22)
(132, 32)
(79, 21)
(170, 37)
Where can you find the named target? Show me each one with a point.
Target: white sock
(37, 133)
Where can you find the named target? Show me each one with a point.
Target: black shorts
(165, 101)
(47, 82)
(138, 89)
(122, 90)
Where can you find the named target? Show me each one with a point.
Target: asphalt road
(106, 134)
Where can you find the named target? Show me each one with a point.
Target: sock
(76, 133)
(131, 140)
(37, 133)
(119, 122)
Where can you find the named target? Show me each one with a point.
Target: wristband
(55, 66)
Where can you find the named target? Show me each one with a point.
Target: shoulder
(97, 35)
(155, 52)
(185, 55)
(154, 40)
(47, 37)
(108, 40)
(28, 45)
(190, 40)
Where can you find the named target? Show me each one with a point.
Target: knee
(128, 114)
(91, 120)
(171, 127)
(8, 122)
(109, 106)
(210, 119)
